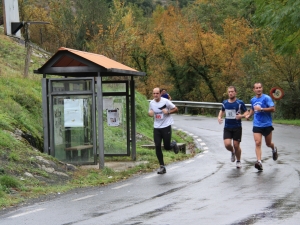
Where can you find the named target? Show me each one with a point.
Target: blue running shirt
(231, 110)
(262, 119)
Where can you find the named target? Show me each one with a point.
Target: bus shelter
(86, 113)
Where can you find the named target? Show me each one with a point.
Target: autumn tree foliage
(200, 64)
(194, 50)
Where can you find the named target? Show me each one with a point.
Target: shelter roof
(75, 63)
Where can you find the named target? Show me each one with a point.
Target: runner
(161, 108)
(262, 106)
(233, 108)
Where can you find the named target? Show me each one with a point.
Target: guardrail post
(217, 112)
(185, 110)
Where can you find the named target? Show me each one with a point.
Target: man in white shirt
(161, 108)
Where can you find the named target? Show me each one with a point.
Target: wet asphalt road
(207, 189)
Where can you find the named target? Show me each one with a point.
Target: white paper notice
(113, 117)
(73, 112)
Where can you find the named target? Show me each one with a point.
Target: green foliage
(2, 193)
(144, 123)
(282, 18)
(288, 106)
(211, 14)
(7, 181)
(287, 122)
(5, 121)
(20, 98)
(13, 156)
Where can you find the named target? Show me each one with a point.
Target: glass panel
(113, 87)
(75, 85)
(73, 130)
(114, 124)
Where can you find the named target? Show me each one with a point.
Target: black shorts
(265, 131)
(233, 133)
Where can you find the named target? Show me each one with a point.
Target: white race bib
(230, 113)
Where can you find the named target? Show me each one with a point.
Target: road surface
(207, 189)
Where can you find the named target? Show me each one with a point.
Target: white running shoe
(238, 164)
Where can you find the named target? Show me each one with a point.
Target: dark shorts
(233, 133)
(265, 131)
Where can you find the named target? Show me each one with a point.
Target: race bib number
(230, 113)
(159, 116)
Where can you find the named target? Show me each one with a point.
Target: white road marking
(26, 213)
(205, 148)
(199, 156)
(205, 152)
(199, 140)
(153, 175)
(195, 136)
(189, 161)
(122, 186)
(78, 199)
(174, 167)
(191, 134)
(202, 143)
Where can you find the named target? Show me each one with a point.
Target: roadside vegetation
(26, 172)
(288, 122)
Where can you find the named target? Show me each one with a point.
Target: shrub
(7, 181)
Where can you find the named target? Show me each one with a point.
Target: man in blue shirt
(165, 94)
(262, 106)
(233, 109)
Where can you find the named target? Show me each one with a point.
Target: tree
(212, 13)
(282, 18)
(90, 16)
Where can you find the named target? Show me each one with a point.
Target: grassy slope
(20, 115)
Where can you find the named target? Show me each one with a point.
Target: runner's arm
(220, 116)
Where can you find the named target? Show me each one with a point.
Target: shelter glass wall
(71, 113)
(116, 118)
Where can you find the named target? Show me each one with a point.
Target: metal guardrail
(209, 105)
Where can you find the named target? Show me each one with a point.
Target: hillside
(22, 165)
(26, 172)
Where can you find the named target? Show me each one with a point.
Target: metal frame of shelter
(86, 70)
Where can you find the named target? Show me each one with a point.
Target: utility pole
(29, 49)
(17, 26)
(28, 44)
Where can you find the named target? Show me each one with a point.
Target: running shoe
(175, 147)
(162, 170)
(232, 157)
(275, 154)
(238, 164)
(258, 166)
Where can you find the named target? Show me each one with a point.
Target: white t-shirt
(161, 120)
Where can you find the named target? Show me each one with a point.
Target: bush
(288, 106)
(7, 181)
